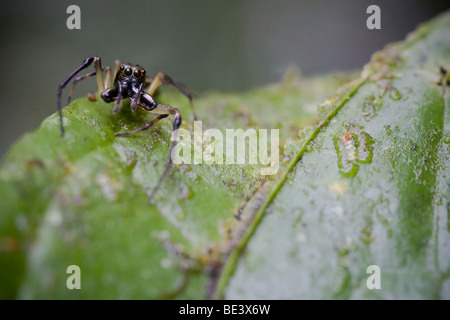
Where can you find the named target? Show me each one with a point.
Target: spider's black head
(130, 73)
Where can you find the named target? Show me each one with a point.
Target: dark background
(207, 45)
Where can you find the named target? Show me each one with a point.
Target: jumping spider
(131, 82)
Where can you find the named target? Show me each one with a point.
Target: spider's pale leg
(107, 80)
(102, 85)
(107, 74)
(163, 79)
(116, 68)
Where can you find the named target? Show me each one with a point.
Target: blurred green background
(207, 45)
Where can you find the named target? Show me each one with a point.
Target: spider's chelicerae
(131, 82)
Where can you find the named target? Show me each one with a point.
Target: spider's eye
(122, 67)
(143, 72)
(137, 73)
(127, 72)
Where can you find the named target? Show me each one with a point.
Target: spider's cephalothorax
(130, 78)
(130, 81)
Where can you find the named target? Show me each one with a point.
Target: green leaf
(370, 185)
(82, 199)
(363, 182)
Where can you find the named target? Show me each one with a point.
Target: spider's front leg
(102, 81)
